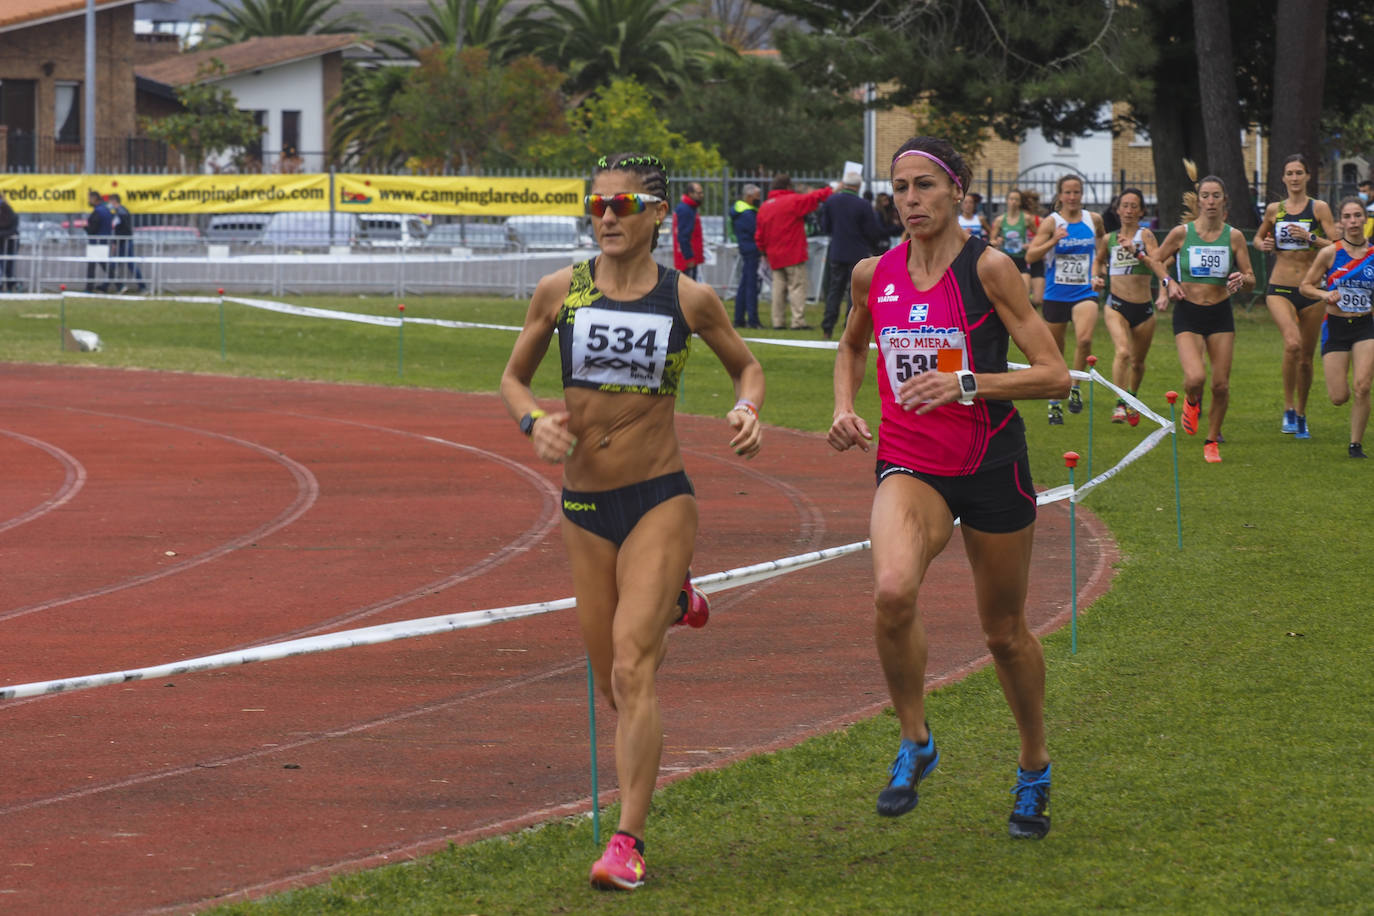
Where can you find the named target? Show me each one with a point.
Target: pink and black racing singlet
(950, 326)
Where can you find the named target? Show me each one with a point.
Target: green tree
(361, 117)
(741, 24)
(464, 111)
(485, 24)
(209, 122)
(762, 118)
(1221, 118)
(239, 20)
(595, 41)
(620, 118)
(1014, 65)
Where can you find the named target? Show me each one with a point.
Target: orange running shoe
(1132, 416)
(1191, 412)
(1212, 452)
(621, 867)
(693, 607)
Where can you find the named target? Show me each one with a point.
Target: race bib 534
(619, 348)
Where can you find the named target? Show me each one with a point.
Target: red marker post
(1172, 398)
(401, 341)
(1071, 462)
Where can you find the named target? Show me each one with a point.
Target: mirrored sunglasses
(619, 204)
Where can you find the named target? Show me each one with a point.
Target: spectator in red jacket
(688, 252)
(781, 237)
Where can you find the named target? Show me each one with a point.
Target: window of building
(68, 112)
(290, 134)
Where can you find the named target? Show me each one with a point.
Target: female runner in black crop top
(630, 518)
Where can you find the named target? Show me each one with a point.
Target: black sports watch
(968, 386)
(527, 421)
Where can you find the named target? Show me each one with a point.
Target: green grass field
(1211, 736)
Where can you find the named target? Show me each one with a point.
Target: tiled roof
(253, 54)
(21, 13)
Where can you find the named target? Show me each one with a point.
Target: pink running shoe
(694, 609)
(621, 867)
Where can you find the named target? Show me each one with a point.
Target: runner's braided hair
(648, 168)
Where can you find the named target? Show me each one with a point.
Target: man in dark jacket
(9, 244)
(99, 228)
(743, 220)
(688, 251)
(123, 232)
(854, 232)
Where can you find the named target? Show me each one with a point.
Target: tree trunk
(1299, 79)
(1221, 108)
(1167, 148)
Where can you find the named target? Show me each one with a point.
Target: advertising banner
(459, 195)
(169, 193)
(195, 194)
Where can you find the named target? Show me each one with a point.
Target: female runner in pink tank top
(951, 444)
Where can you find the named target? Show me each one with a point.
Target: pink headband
(935, 159)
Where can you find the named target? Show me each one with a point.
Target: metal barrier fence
(179, 265)
(167, 266)
(165, 262)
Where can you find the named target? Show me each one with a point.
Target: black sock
(639, 844)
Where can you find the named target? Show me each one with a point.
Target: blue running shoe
(1302, 432)
(914, 763)
(1290, 422)
(1029, 820)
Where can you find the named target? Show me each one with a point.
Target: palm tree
(363, 133)
(483, 26)
(239, 20)
(594, 41)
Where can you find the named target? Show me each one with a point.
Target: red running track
(150, 517)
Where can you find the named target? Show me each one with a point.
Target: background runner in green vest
(1213, 264)
(1122, 268)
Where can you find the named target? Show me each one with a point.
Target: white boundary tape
(427, 626)
(404, 629)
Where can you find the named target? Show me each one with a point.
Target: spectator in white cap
(855, 234)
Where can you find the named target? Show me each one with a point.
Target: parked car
(40, 227)
(168, 236)
(713, 230)
(310, 229)
(236, 227)
(548, 233)
(391, 230)
(474, 236)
